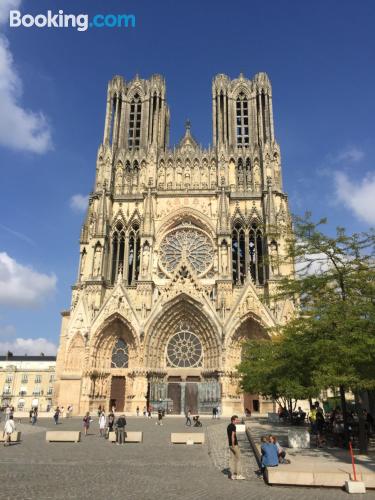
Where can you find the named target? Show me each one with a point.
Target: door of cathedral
(191, 397)
(174, 393)
(118, 393)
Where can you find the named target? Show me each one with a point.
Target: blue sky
(320, 59)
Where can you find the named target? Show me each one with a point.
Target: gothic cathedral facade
(180, 252)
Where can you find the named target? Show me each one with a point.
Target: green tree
(334, 292)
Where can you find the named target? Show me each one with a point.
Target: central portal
(117, 393)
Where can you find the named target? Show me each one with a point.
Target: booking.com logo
(81, 22)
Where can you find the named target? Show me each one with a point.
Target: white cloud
(358, 196)
(349, 155)
(5, 7)
(21, 286)
(312, 264)
(20, 128)
(22, 346)
(79, 202)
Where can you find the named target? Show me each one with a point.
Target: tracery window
(118, 250)
(186, 243)
(184, 350)
(242, 120)
(248, 254)
(135, 122)
(120, 355)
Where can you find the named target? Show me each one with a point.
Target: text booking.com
(81, 22)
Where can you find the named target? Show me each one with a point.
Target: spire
(148, 223)
(223, 210)
(102, 214)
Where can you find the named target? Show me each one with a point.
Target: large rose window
(186, 243)
(184, 350)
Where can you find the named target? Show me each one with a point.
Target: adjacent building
(180, 252)
(27, 381)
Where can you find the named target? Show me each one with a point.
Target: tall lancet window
(242, 120)
(135, 123)
(118, 251)
(134, 254)
(256, 255)
(238, 254)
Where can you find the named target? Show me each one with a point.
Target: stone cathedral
(180, 252)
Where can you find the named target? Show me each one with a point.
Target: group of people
(107, 424)
(272, 452)
(61, 412)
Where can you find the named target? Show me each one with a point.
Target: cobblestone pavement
(95, 468)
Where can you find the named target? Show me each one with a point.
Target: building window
(24, 378)
(49, 391)
(135, 122)
(242, 120)
(7, 390)
(184, 350)
(9, 378)
(120, 354)
(118, 251)
(37, 390)
(52, 378)
(38, 379)
(248, 254)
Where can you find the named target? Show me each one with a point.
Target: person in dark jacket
(120, 426)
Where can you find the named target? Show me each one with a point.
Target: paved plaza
(95, 468)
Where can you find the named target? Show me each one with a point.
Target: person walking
(102, 424)
(214, 410)
(120, 425)
(9, 428)
(7, 412)
(188, 418)
(235, 454)
(144, 411)
(33, 416)
(86, 423)
(160, 417)
(137, 411)
(111, 422)
(56, 415)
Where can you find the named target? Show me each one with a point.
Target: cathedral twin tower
(180, 252)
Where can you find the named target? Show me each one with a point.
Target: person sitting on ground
(270, 456)
(281, 453)
(9, 428)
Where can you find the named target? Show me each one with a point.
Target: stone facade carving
(175, 245)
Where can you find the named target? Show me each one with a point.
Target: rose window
(186, 243)
(120, 355)
(184, 350)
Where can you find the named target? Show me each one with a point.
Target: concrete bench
(240, 428)
(15, 437)
(131, 437)
(63, 436)
(187, 437)
(298, 438)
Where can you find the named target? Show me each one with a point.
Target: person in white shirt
(9, 427)
(102, 424)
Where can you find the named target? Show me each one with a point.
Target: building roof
(27, 358)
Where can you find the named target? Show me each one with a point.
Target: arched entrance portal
(115, 354)
(250, 329)
(183, 350)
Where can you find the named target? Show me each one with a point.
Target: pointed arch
(75, 354)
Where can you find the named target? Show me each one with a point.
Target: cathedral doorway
(174, 395)
(117, 398)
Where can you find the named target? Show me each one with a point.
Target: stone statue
(97, 260)
(224, 259)
(145, 259)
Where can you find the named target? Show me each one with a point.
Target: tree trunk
(344, 415)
